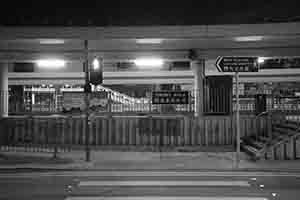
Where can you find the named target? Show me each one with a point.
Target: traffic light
(96, 72)
(87, 88)
(260, 103)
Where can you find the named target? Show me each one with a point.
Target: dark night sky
(163, 12)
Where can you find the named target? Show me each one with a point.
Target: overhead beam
(147, 77)
(172, 55)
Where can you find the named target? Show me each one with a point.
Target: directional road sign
(237, 64)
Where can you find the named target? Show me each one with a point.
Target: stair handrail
(260, 114)
(298, 125)
(257, 116)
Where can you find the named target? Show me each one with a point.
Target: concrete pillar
(198, 67)
(3, 90)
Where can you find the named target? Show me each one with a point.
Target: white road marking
(147, 174)
(163, 198)
(165, 183)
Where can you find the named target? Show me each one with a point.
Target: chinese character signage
(75, 100)
(170, 97)
(237, 64)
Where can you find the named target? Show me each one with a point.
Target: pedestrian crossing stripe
(149, 174)
(163, 198)
(165, 183)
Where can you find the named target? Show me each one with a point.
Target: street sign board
(170, 97)
(76, 100)
(237, 64)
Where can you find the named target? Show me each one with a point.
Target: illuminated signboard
(170, 97)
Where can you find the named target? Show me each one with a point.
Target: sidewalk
(118, 160)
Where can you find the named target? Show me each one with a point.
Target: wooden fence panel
(297, 147)
(126, 131)
(73, 131)
(96, 131)
(129, 130)
(134, 130)
(146, 134)
(103, 138)
(215, 130)
(123, 131)
(112, 131)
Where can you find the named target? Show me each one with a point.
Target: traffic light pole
(237, 119)
(87, 102)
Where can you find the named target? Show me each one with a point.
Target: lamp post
(87, 101)
(237, 119)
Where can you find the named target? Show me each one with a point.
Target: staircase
(280, 145)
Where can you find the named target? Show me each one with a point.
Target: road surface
(148, 185)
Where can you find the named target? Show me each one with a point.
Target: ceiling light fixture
(51, 41)
(248, 38)
(149, 62)
(51, 63)
(149, 41)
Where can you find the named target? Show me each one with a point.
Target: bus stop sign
(237, 64)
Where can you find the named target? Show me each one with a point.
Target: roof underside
(121, 43)
(132, 13)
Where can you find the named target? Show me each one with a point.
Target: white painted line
(163, 198)
(165, 183)
(148, 174)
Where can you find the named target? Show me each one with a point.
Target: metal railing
(216, 105)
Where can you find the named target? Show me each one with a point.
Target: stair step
(277, 142)
(287, 126)
(292, 122)
(252, 150)
(278, 135)
(285, 131)
(264, 139)
(259, 144)
(255, 143)
(260, 138)
(278, 138)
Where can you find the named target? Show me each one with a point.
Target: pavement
(131, 160)
(144, 175)
(147, 185)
